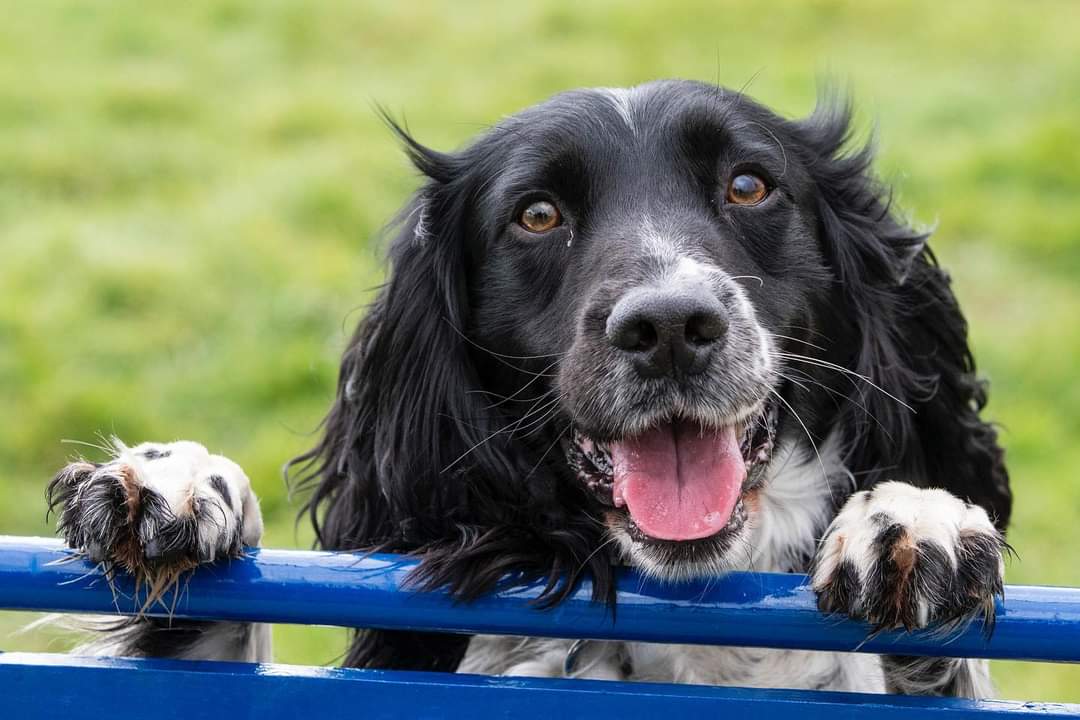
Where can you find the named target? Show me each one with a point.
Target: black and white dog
(659, 327)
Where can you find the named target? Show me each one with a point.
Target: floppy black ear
(402, 407)
(910, 334)
(411, 458)
(405, 460)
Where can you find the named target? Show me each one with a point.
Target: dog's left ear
(910, 335)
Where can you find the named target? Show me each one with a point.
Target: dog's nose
(668, 332)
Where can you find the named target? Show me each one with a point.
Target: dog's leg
(900, 556)
(158, 510)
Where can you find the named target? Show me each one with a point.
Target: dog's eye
(540, 216)
(746, 189)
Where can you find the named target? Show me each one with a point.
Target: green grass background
(191, 193)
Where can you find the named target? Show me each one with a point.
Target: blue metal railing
(747, 609)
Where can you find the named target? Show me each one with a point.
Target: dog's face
(646, 253)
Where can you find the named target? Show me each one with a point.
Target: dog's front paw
(156, 509)
(900, 556)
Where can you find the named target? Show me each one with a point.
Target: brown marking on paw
(189, 504)
(128, 553)
(129, 480)
(904, 555)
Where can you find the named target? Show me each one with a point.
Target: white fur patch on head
(622, 99)
(658, 245)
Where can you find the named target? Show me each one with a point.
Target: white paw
(156, 509)
(901, 556)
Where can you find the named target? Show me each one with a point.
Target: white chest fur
(694, 664)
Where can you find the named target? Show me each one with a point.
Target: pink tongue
(679, 481)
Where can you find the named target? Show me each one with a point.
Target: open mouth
(679, 481)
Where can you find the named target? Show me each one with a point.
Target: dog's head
(602, 318)
(652, 249)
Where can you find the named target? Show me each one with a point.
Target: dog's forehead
(635, 109)
(643, 123)
(618, 143)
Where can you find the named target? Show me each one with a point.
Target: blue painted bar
(63, 686)
(764, 610)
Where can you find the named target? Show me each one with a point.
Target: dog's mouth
(679, 481)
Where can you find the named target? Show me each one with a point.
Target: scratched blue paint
(766, 610)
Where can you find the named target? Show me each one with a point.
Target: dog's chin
(643, 483)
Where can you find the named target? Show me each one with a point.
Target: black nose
(668, 332)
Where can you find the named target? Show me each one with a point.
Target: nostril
(635, 335)
(645, 335)
(703, 329)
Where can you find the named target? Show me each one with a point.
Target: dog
(658, 327)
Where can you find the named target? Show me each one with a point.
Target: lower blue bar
(63, 686)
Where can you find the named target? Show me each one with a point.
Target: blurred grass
(190, 199)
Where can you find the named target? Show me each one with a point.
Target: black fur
(444, 432)
(913, 675)
(218, 483)
(903, 329)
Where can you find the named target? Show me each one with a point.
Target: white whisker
(821, 463)
(841, 369)
(748, 277)
(793, 339)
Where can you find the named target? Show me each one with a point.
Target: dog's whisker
(524, 387)
(809, 437)
(795, 339)
(545, 412)
(793, 381)
(598, 548)
(498, 355)
(554, 443)
(779, 144)
(761, 282)
(804, 328)
(512, 427)
(837, 394)
(504, 398)
(840, 369)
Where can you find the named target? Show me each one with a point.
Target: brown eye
(540, 216)
(746, 189)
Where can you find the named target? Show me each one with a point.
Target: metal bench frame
(349, 590)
